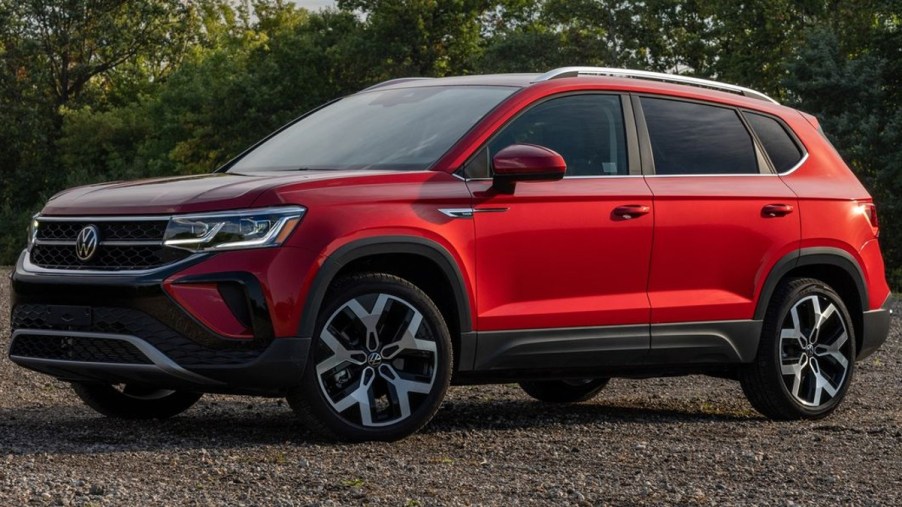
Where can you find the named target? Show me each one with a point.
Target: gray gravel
(682, 441)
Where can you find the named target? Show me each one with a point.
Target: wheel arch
(389, 254)
(833, 266)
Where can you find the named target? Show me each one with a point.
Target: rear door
(723, 218)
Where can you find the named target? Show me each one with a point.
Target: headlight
(32, 231)
(233, 230)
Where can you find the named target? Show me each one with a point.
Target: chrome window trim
(795, 167)
(593, 177)
(800, 163)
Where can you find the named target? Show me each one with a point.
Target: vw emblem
(86, 243)
(375, 359)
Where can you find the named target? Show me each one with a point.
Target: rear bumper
(875, 328)
(126, 329)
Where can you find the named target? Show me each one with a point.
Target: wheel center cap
(374, 359)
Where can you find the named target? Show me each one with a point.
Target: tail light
(870, 211)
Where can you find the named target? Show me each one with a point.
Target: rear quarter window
(783, 151)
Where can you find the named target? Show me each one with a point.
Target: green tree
(74, 41)
(58, 54)
(854, 87)
(247, 81)
(417, 37)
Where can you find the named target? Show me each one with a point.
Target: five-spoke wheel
(815, 351)
(807, 353)
(381, 361)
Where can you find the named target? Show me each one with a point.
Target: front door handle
(776, 210)
(631, 211)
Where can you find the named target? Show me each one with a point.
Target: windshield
(406, 129)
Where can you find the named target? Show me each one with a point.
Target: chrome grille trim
(128, 244)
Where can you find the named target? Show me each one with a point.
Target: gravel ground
(682, 441)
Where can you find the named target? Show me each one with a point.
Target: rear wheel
(380, 363)
(135, 402)
(806, 356)
(564, 391)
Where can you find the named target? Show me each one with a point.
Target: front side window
(587, 130)
(690, 138)
(402, 129)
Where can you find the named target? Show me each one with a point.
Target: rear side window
(782, 150)
(690, 138)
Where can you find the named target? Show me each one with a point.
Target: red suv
(555, 230)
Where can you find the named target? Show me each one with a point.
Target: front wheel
(135, 402)
(806, 356)
(380, 362)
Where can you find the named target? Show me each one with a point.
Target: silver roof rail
(652, 76)
(394, 81)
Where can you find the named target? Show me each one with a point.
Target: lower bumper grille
(127, 321)
(77, 348)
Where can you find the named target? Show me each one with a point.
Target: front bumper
(124, 328)
(875, 328)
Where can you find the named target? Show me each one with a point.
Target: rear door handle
(631, 211)
(776, 210)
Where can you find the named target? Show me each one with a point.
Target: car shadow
(237, 424)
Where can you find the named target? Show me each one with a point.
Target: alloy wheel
(376, 360)
(815, 351)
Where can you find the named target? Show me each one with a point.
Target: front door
(566, 260)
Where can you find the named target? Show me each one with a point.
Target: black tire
(564, 391)
(428, 367)
(776, 393)
(135, 402)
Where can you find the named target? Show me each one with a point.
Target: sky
(315, 4)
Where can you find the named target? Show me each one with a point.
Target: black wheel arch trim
(811, 257)
(378, 246)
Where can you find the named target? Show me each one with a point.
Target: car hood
(185, 194)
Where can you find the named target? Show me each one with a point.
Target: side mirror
(526, 162)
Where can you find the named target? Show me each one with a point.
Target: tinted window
(689, 138)
(587, 130)
(407, 128)
(782, 150)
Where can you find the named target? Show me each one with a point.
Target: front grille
(125, 245)
(136, 323)
(108, 257)
(141, 230)
(77, 348)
